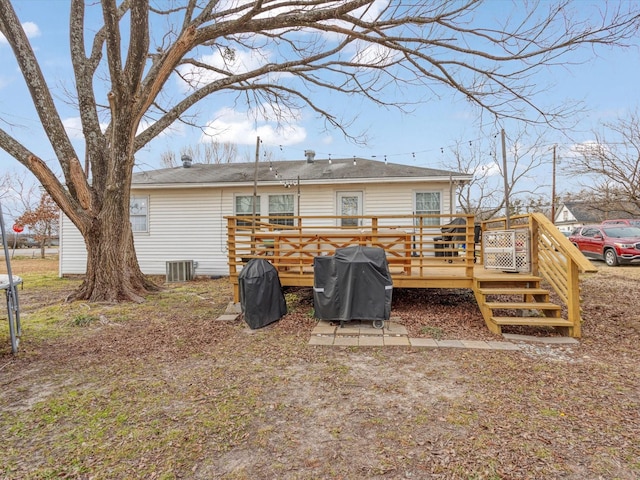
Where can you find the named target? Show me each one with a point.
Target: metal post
(553, 188)
(507, 206)
(255, 177)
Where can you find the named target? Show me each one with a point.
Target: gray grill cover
(354, 284)
(261, 296)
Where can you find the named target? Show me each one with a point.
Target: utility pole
(553, 188)
(255, 178)
(507, 206)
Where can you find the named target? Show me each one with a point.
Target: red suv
(631, 222)
(612, 243)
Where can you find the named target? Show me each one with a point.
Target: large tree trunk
(113, 273)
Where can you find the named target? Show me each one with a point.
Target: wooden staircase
(517, 299)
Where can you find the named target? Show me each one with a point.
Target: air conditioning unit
(180, 270)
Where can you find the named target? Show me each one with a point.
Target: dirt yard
(162, 390)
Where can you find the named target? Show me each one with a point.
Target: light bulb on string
(385, 159)
(354, 160)
(329, 159)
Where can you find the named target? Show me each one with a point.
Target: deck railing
(553, 257)
(413, 242)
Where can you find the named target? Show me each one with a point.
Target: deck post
(573, 300)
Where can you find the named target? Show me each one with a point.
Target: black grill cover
(261, 296)
(354, 284)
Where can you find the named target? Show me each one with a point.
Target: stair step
(532, 321)
(523, 305)
(513, 291)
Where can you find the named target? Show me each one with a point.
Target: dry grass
(163, 390)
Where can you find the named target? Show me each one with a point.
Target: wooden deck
(426, 251)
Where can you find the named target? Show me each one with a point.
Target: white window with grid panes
(428, 203)
(139, 214)
(280, 206)
(244, 207)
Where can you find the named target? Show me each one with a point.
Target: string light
(387, 157)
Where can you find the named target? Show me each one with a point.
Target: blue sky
(607, 84)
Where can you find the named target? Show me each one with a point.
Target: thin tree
(612, 161)
(484, 195)
(274, 55)
(206, 153)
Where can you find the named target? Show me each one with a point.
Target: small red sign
(17, 228)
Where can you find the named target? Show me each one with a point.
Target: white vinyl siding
(189, 223)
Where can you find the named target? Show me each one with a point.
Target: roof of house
(591, 213)
(318, 172)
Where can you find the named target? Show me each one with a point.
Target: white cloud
(30, 28)
(73, 126)
(234, 127)
(374, 55)
(491, 169)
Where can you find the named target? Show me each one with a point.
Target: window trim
(133, 198)
(436, 221)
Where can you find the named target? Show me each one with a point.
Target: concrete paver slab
(423, 342)
(323, 330)
(503, 345)
(392, 328)
(402, 341)
(347, 331)
(476, 344)
(345, 341)
(450, 343)
(371, 341)
(321, 340)
(227, 317)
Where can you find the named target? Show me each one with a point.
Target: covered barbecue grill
(454, 233)
(261, 296)
(354, 284)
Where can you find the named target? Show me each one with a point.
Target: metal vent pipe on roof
(310, 154)
(186, 161)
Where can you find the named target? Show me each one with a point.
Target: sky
(607, 84)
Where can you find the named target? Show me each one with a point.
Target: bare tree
(273, 54)
(612, 161)
(485, 196)
(18, 192)
(206, 153)
(42, 221)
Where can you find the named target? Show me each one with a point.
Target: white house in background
(576, 214)
(178, 213)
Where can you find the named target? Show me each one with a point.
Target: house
(576, 214)
(178, 213)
